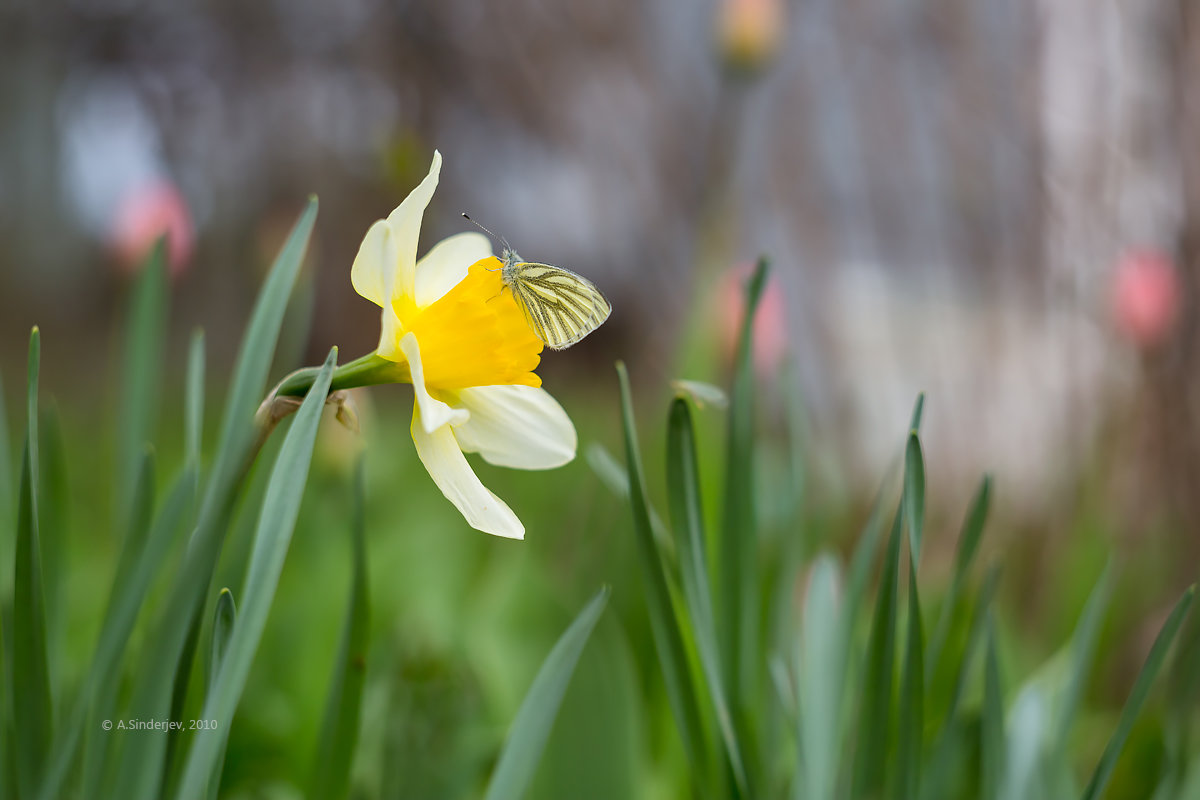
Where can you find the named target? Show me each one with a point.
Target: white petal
(453, 475)
(434, 413)
(404, 223)
(516, 426)
(389, 335)
(373, 271)
(446, 264)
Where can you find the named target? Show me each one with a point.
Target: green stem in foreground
(368, 370)
(284, 399)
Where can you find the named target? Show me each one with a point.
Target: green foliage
(888, 714)
(768, 670)
(531, 728)
(339, 730)
(95, 730)
(280, 508)
(143, 362)
(30, 689)
(668, 635)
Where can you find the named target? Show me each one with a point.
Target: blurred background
(995, 202)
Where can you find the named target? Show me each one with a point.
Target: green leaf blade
(193, 404)
(968, 545)
(820, 670)
(258, 345)
(7, 499)
(339, 728)
(1082, 650)
(875, 712)
(30, 690)
(143, 365)
(173, 637)
(531, 728)
(911, 727)
(917, 412)
(1137, 697)
(224, 617)
(914, 494)
(687, 521)
(272, 539)
(664, 626)
(993, 765)
(738, 574)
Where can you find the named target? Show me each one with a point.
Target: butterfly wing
(560, 306)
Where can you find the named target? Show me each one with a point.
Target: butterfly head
(508, 270)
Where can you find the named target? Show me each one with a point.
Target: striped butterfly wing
(560, 306)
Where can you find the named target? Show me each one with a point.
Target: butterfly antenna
(501, 239)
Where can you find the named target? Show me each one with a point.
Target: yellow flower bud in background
(749, 33)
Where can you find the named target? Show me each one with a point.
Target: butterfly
(559, 306)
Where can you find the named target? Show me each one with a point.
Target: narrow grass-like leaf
(681, 692)
(864, 552)
(1183, 687)
(142, 369)
(8, 543)
(224, 616)
(918, 410)
(32, 709)
(180, 692)
(527, 737)
(687, 520)
(1082, 649)
(142, 554)
(236, 448)
(297, 323)
(975, 637)
(875, 712)
(258, 346)
(972, 532)
(914, 495)
(8, 756)
(612, 473)
(968, 544)
(992, 743)
(948, 751)
(339, 728)
(31, 412)
(54, 518)
(1141, 689)
(271, 541)
(7, 508)
(193, 403)
(910, 731)
(737, 573)
(820, 671)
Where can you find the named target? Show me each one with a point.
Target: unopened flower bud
(749, 33)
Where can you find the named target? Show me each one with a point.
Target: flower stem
(368, 370)
(284, 399)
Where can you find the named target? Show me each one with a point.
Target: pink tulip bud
(770, 326)
(146, 212)
(1146, 297)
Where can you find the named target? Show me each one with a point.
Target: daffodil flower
(450, 330)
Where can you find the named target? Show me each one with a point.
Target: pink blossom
(1145, 297)
(146, 212)
(770, 326)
